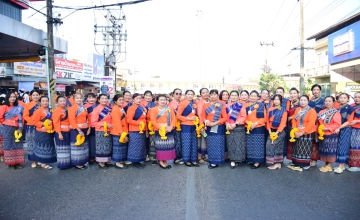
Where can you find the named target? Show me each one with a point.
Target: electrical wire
(274, 18)
(286, 20)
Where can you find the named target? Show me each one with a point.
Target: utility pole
(266, 44)
(199, 15)
(301, 83)
(50, 52)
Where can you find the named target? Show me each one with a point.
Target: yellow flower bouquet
(106, 129)
(17, 135)
(141, 127)
(122, 137)
(273, 137)
(292, 134)
(162, 133)
(49, 127)
(151, 128)
(248, 127)
(178, 125)
(321, 132)
(79, 140)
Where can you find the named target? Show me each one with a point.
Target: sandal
(338, 170)
(46, 167)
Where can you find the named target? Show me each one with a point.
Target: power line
(286, 20)
(275, 18)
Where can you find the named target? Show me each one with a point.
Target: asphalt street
(178, 193)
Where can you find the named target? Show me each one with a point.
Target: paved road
(178, 193)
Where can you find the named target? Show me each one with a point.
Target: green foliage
(271, 81)
(307, 86)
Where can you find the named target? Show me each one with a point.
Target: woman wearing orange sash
(330, 118)
(29, 110)
(148, 104)
(136, 117)
(187, 115)
(11, 120)
(255, 141)
(214, 116)
(44, 151)
(235, 141)
(204, 92)
(79, 124)
(90, 106)
(174, 105)
(164, 120)
(62, 133)
(120, 124)
(276, 121)
(101, 119)
(304, 120)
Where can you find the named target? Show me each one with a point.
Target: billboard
(107, 85)
(344, 44)
(68, 69)
(30, 68)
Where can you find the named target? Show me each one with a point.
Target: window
(142, 85)
(195, 86)
(211, 86)
(152, 85)
(160, 85)
(326, 90)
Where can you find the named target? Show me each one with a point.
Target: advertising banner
(30, 68)
(98, 65)
(107, 86)
(344, 44)
(68, 69)
(59, 87)
(88, 72)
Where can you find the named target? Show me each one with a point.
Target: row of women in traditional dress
(248, 128)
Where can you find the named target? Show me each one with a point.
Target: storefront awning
(345, 64)
(27, 79)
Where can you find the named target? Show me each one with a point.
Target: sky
(166, 38)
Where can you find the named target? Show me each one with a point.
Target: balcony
(319, 72)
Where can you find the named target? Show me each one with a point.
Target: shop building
(337, 63)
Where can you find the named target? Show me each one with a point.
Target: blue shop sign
(344, 44)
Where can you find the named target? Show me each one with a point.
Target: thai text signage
(68, 69)
(30, 68)
(344, 44)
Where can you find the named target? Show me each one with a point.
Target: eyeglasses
(177, 93)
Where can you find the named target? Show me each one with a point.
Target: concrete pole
(50, 53)
(302, 74)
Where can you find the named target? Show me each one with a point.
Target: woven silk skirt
(328, 148)
(13, 151)
(343, 148)
(189, 143)
(137, 147)
(165, 149)
(236, 144)
(30, 141)
(63, 150)
(79, 154)
(178, 144)
(255, 145)
(119, 150)
(215, 143)
(275, 150)
(354, 154)
(44, 151)
(103, 147)
(92, 144)
(302, 149)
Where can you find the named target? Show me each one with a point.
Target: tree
(307, 86)
(271, 81)
(266, 68)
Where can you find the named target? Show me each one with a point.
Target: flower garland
(151, 128)
(321, 132)
(49, 127)
(17, 135)
(106, 129)
(292, 134)
(141, 127)
(122, 137)
(162, 133)
(178, 125)
(79, 140)
(273, 137)
(248, 127)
